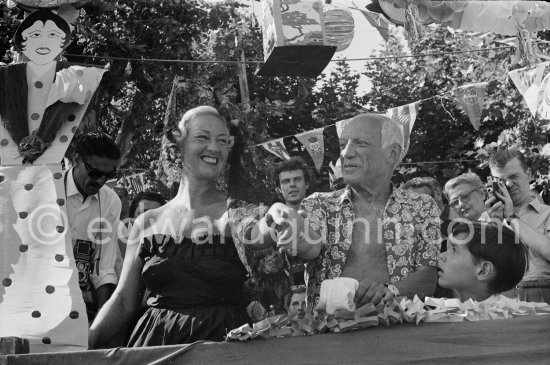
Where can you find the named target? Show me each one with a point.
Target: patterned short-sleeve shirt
(410, 233)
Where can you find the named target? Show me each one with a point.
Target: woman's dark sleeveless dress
(195, 291)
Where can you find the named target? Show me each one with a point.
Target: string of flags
(135, 181)
(470, 98)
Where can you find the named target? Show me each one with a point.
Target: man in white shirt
(529, 218)
(93, 213)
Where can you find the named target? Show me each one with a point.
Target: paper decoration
(294, 38)
(40, 300)
(339, 26)
(136, 181)
(470, 98)
(544, 99)
(528, 81)
(277, 147)
(525, 49)
(406, 116)
(412, 22)
(314, 143)
(380, 22)
(477, 16)
(335, 174)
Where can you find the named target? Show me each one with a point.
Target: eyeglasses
(464, 198)
(96, 174)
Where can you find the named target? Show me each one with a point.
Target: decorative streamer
(470, 98)
(277, 147)
(313, 142)
(544, 98)
(405, 115)
(528, 81)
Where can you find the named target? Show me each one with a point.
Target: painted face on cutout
(361, 153)
(42, 42)
(205, 147)
(457, 266)
(293, 186)
(467, 201)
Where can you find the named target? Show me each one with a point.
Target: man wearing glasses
(527, 216)
(93, 213)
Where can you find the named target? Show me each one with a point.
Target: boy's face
(457, 266)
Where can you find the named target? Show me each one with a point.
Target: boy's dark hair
(498, 244)
(43, 16)
(501, 157)
(295, 163)
(97, 144)
(145, 195)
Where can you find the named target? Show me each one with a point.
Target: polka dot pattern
(35, 116)
(59, 258)
(4, 142)
(23, 215)
(71, 118)
(79, 73)
(60, 202)
(73, 129)
(28, 187)
(23, 248)
(73, 315)
(58, 175)
(38, 85)
(60, 229)
(46, 340)
(2, 178)
(36, 314)
(50, 289)
(6, 282)
(63, 138)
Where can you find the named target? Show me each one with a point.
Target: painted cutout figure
(42, 102)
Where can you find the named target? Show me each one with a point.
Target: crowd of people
(204, 262)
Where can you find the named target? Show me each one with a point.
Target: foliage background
(132, 103)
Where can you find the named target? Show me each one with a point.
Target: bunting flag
(405, 115)
(380, 22)
(136, 181)
(314, 143)
(528, 81)
(335, 172)
(339, 126)
(277, 147)
(470, 98)
(544, 98)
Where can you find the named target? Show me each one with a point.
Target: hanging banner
(137, 182)
(470, 98)
(313, 142)
(277, 147)
(544, 99)
(528, 81)
(380, 22)
(405, 115)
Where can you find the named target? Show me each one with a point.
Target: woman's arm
(121, 308)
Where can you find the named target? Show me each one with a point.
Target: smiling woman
(187, 253)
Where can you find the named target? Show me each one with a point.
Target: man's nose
(347, 151)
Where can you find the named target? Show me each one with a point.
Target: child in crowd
(482, 260)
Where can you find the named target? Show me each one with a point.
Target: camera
(83, 253)
(492, 187)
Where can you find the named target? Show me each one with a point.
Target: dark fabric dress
(195, 291)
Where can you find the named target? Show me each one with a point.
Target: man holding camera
(93, 213)
(530, 219)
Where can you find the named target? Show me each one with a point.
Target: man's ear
(395, 153)
(529, 174)
(486, 271)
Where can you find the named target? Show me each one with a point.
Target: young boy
(482, 259)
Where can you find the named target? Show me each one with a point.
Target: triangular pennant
(335, 173)
(277, 147)
(470, 98)
(313, 142)
(380, 22)
(528, 81)
(544, 98)
(406, 116)
(339, 126)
